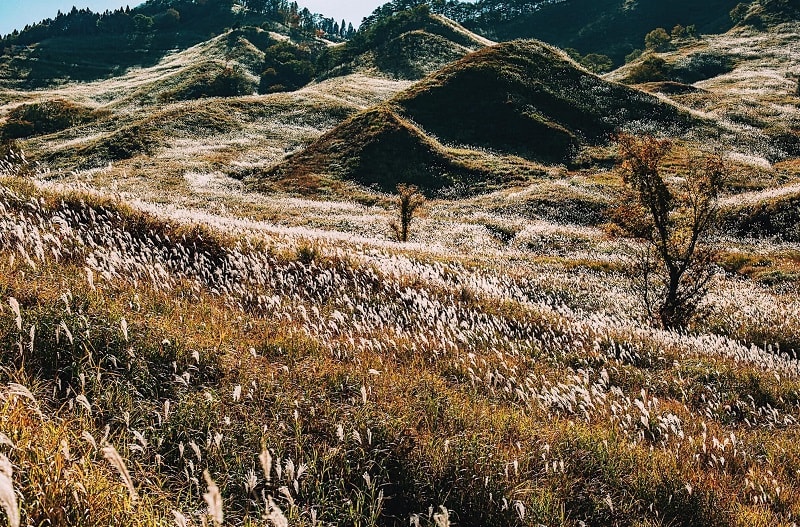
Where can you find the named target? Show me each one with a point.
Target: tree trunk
(670, 311)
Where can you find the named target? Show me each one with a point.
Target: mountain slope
(408, 45)
(745, 79)
(611, 27)
(522, 99)
(82, 46)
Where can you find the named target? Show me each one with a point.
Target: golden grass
(543, 427)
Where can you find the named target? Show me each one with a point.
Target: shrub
(287, 67)
(45, 118)
(211, 81)
(657, 40)
(125, 143)
(597, 63)
(230, 82)
(777, 218)
(700, 66)
(651, 69)
(633, 55)
(739, 12)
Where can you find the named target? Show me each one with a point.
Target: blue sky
(17, 13)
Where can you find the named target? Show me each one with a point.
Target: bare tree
(409, 199)
(673, 216)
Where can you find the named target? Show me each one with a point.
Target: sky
(17, 13)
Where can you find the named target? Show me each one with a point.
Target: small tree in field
(673, 217)
(409, 199)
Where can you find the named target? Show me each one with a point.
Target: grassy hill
(297, 373)
(771, 12)
(81, 46)
(408, 45)
(206, 318)
(609, 27)
(522, 99)
(731, 79)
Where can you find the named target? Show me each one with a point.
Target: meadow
(187, 340)
(259, 374)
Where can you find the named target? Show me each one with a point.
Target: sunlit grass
(382, 383)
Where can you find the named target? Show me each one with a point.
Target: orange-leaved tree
(673, 215)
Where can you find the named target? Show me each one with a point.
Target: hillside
(211, 314)
(609, 27)
(732, 80)
(409, 45)
(81, 46)
(521, 99)
(329, 377)
(84, 46)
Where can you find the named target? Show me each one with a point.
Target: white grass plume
(8, 499)
(266, 463)
(84, 402)
(89, 438)
(276, 516)
(113, 457)
(5, 440)
(442, 518)
(213, 499)
(15, 309)
(19, 390)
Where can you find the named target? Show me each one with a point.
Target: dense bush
(700, 66)
(777, 218)
(287, 67)
(212, 81)
(652, 69)
(45, 118)
(125, 143)
(657, 40)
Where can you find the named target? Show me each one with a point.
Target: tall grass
(243, 382)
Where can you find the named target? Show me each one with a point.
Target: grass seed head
(8, 499)
(214, 499)
(113, 457)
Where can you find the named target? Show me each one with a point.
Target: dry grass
(494, 371)
(381, 383)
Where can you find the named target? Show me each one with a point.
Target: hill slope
(409, 45)
(81, 46)
(611, 27)
(746, 79)
(521, 99)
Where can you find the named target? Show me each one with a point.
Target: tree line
(155, 15)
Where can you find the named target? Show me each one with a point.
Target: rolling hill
(522, 99)
(208, 316)
(408, 45)
(80, 45)
(610, 27)
(745, 79)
